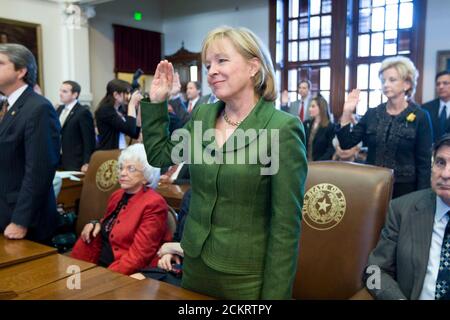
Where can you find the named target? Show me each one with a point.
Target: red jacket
(139, 231)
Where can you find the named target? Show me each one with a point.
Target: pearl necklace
(231, 123)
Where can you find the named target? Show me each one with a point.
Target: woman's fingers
(97, 229)
(85, 234)
(165, 262)
(157, 72)
(170, 73)
(162, 82)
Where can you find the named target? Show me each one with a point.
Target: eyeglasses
(129, 169)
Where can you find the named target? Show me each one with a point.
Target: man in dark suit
(193, 90)
(179, 112)
(29, 144)
(412, 258)
(439, 109)
(77, 133)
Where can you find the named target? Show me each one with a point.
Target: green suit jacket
(240, 221)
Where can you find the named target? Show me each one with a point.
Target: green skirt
(199, 277)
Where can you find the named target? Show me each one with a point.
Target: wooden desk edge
(26, 259)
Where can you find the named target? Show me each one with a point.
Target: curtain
(136, 48)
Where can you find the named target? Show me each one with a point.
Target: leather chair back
(343, 213)
(172, 220)
(100, 181)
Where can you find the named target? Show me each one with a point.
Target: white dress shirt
(439, 225)
(13, 97)
(174, 176)
(66, 111)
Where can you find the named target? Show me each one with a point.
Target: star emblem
(323, 205)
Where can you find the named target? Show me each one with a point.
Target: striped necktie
(443, 280)
(4, 109)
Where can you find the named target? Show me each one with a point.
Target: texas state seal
(107, 176)
(324, 206)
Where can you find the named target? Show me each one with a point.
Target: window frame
(339, 61)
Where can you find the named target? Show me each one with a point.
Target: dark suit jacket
(404, 246)
(236, 210)
(77, 137)
(29, 156)
(110, 124)
(322, 146)
(182, 215)
(433, 109)
(180, 109)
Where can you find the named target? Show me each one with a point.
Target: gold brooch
(411, 117)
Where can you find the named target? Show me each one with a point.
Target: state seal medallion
(324, 206)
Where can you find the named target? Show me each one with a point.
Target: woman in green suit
(248, 170)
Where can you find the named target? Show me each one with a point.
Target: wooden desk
(17, 251)
(70, 194)
(97, 283)
(27, 276)
(150, 289)
(93, 282)
(172, 193)
(46, 278)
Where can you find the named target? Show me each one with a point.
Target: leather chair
(100, 181)
(172, 220)
(343, 213)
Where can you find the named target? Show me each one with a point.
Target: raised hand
(162, 82)
(349, 107)
(352, 101)
(176, 85)
(284, 97)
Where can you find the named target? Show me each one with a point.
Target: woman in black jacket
(113, 122)
(319, 131)
(397, 133)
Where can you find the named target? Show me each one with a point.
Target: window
(309, 46)
(339, 45)
(383, 28)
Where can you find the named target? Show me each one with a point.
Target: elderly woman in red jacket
(135, 224)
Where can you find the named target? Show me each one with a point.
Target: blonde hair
(405, 68)
(249, 46)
